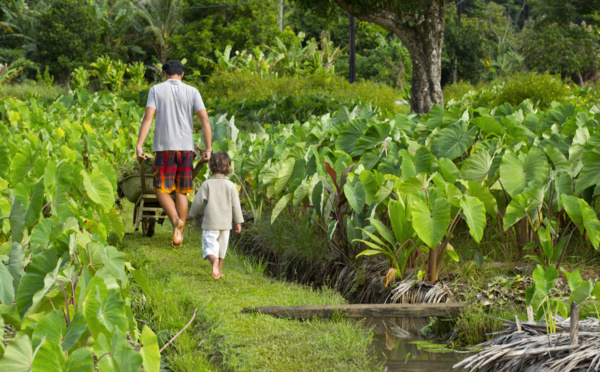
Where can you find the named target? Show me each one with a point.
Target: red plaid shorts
(173, 171)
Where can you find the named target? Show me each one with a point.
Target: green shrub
(239, 86)
(542, 89)
(31, 89)
(455, 92)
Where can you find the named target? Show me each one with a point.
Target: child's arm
(198, 203)
(237, 208)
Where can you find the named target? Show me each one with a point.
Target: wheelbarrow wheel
(148, 226)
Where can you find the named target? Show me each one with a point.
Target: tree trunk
(422, 32)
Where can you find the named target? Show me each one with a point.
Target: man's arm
(206, 133)
(144, 129)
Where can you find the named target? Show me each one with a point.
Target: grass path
(223, 339)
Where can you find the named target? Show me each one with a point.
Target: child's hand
(238, 228)
(189, 218)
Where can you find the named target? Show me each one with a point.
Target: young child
(219, 199)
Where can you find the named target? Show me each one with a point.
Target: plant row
(399, 187)
(65, 289)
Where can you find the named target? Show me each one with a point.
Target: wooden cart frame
(147, 211)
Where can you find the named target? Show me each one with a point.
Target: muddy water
(398, 343)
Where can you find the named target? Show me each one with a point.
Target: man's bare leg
(214, 261)
(177, 219)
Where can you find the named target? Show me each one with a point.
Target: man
(174, 104)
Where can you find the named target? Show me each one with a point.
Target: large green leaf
(284, 175)
(424, 160)
(38, 280)
(149, 351)
(16, 263)
(53, 327)
(519, 175)
(558, 160)
(281, 204)
(474, 213)
(435, 116)
(448, 169)
(7, 291)
(591, 223)
(49, 357)
(578, 145)
(431, 222)
(369, 182)
(590, 173)
(483, 193)
(4, 161)
(452, 141)
(399, 212)
(581, 293)
(19, 355)
(523, 205)
(489, 125)
(544, 279)
(21, 163)
(36, 201)
(356, 195)
(111, 313)
(90, 305)
(98, 188)
(81, 360)
(17, 220)
(374, 136)
(477, 166)
(573, 209)
(114, 262)
(350, 134)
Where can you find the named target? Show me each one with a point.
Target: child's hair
(220, 163)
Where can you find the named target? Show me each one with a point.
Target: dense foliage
(530, 170)
(65, 288)
(484, 40)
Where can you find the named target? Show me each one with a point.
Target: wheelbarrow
(138, 189)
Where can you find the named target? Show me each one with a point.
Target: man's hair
(220, 163)
(173, 67)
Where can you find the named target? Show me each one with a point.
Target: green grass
(224, 339)
(30, 89)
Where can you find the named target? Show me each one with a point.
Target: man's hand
(206, 156)
(238, 228)
(140, 154)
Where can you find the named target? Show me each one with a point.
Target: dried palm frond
(531, 349)
(418, 291)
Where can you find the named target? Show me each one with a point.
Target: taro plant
(539, 297)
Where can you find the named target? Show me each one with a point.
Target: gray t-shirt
(175, 104)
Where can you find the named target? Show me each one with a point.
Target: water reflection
(397, 341)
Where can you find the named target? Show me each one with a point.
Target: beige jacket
(219, 199)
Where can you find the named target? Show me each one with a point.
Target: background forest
(484, 40)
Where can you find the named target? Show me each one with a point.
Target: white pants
(215, 242)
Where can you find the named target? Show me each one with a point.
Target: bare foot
(221, 275)
(215, 270)
(178, 233)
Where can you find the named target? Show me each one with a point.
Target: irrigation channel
(398, 343)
